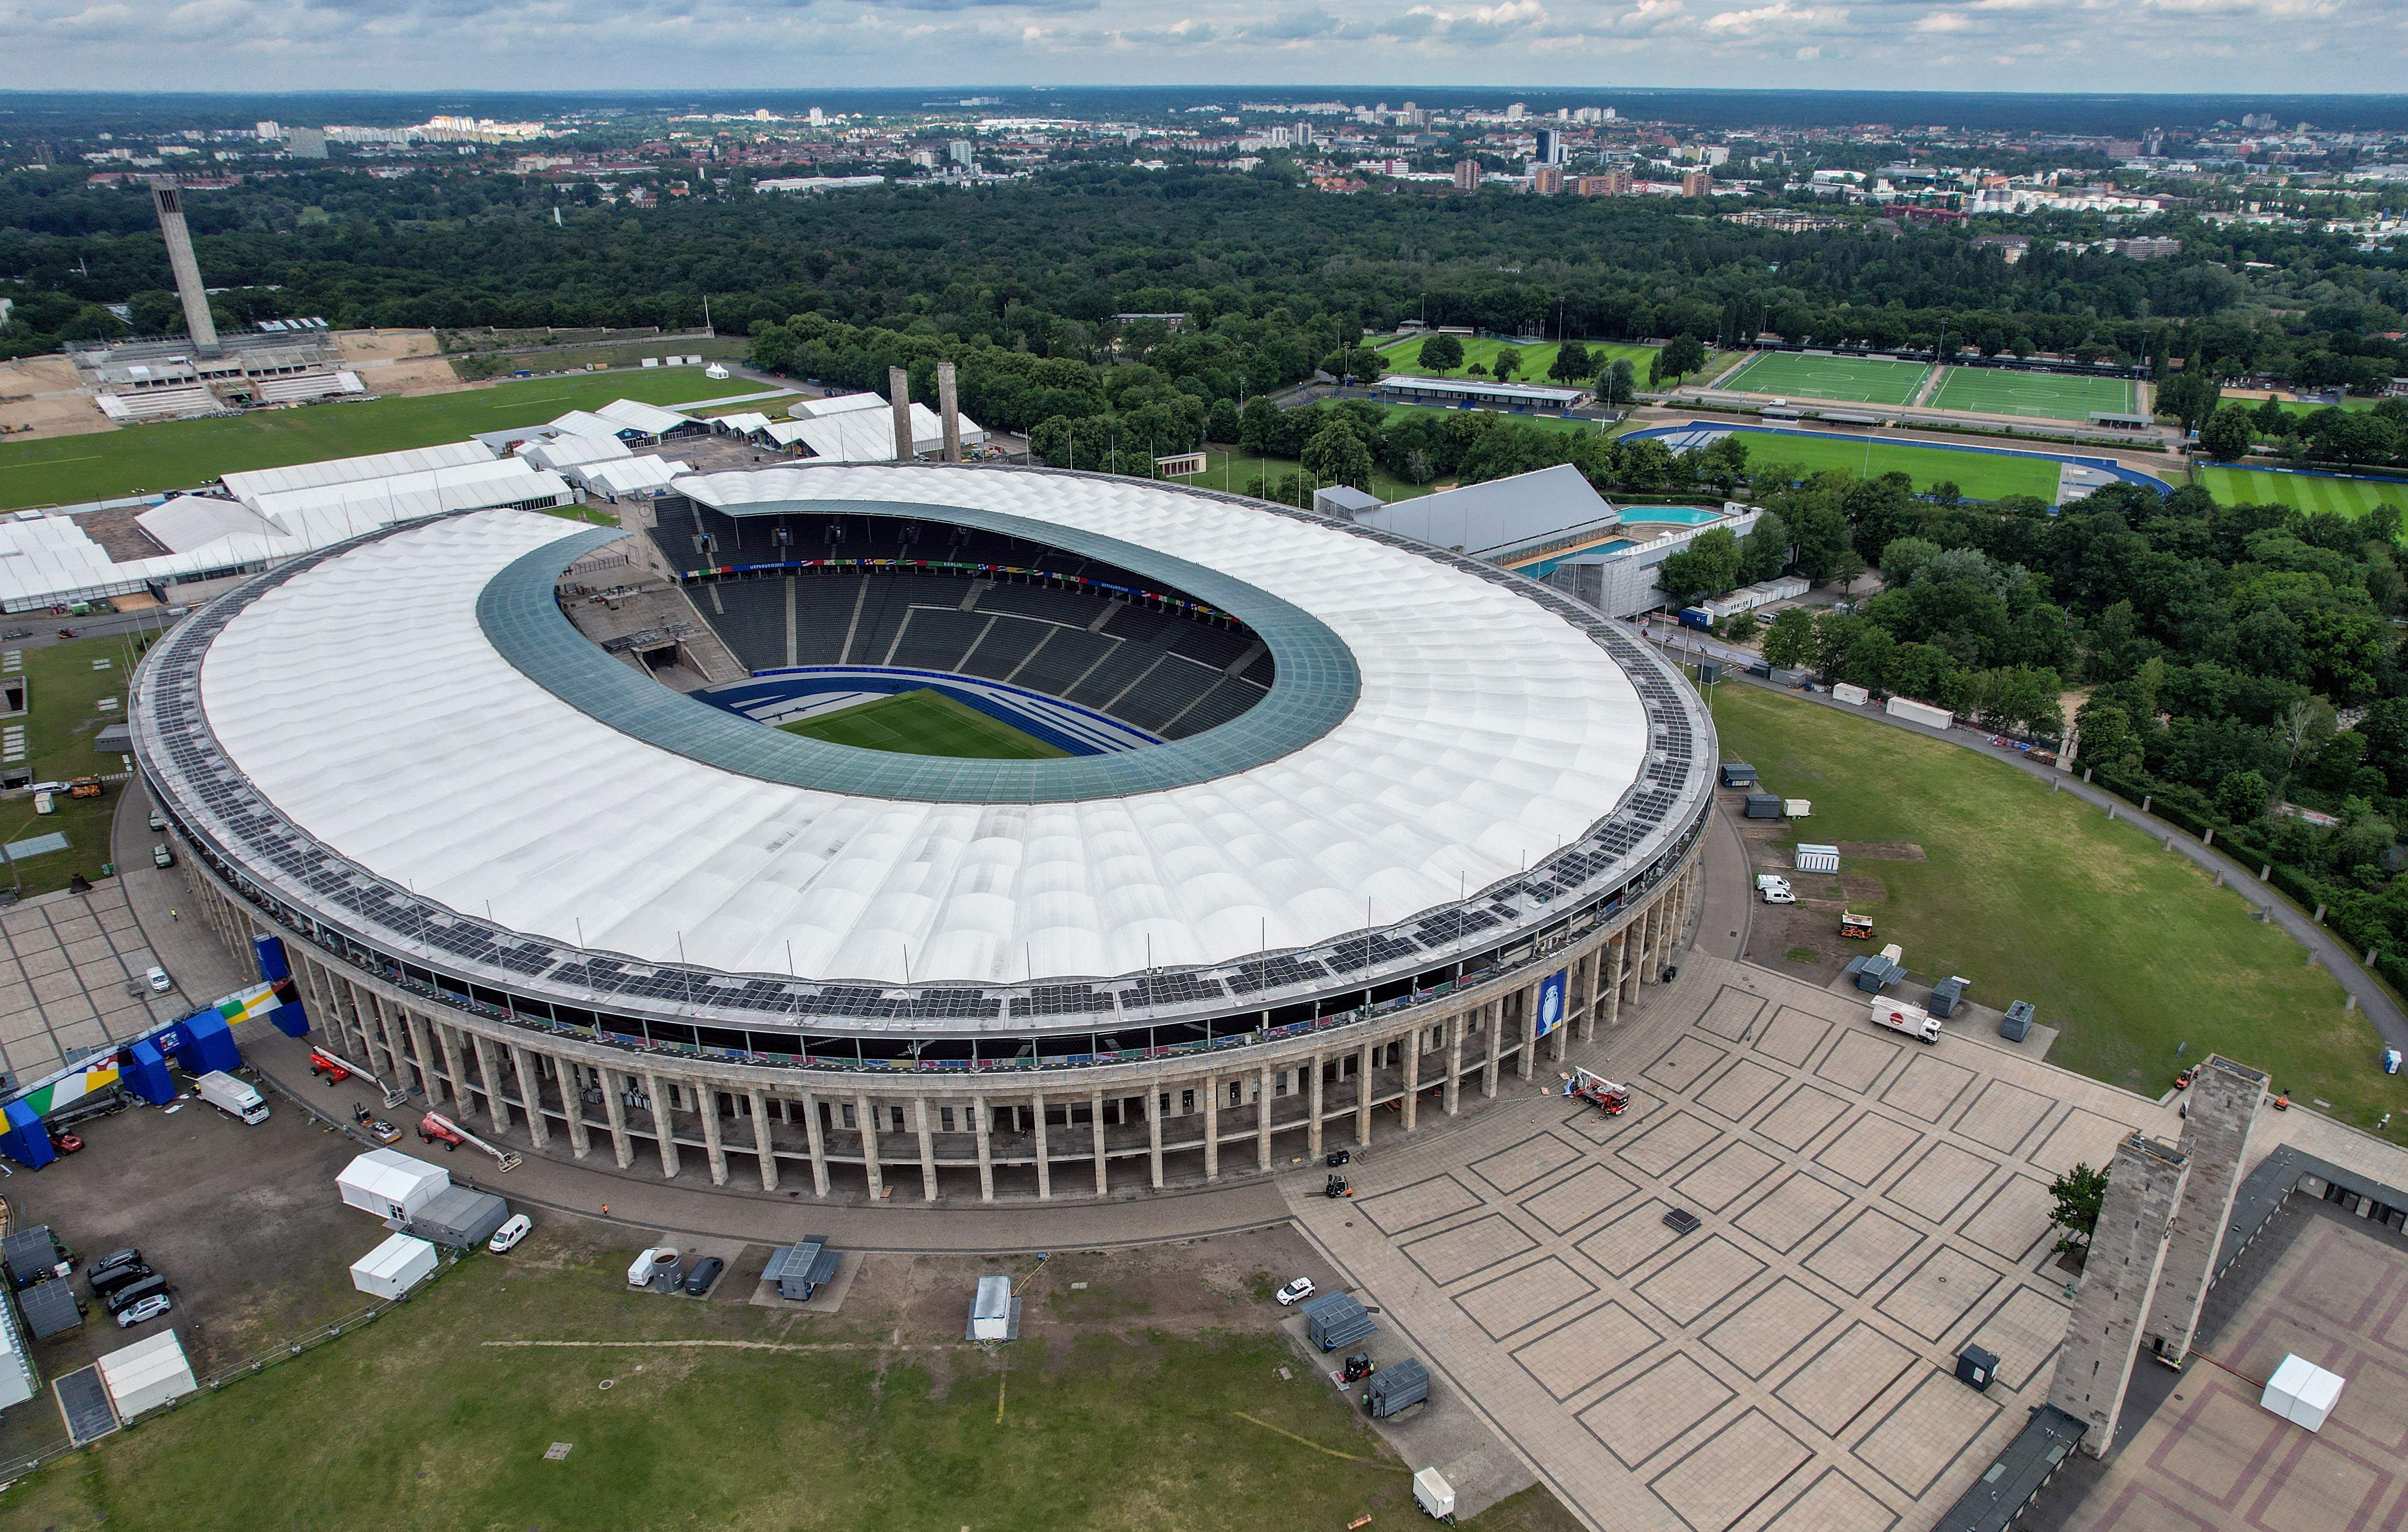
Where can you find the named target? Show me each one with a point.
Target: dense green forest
(1043, 264)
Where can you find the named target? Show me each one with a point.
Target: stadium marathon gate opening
(1349, 821)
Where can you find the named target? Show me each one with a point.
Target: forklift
(1336, 1187)
(1611, 1096)
(1359, 1367)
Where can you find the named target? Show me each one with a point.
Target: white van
(157, 979)
(231, 1095)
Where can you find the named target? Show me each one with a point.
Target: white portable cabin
(2302, 1393)
(1920, 712)
(394, 1267)
(1433, 1494)
(991, 1313)
(390, 1184)
(1854, 697)
(146, 1374)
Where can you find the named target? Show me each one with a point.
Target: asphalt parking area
(244, 1220)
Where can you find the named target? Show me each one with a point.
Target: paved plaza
(1868, 1206)
(71, 968)
(2209, 1457)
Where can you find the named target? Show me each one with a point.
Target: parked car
(106, 1283)
(705, 1272)
(2391, 1061)
(161, 856)
(158, 981)
(15, 634)
(509, 1235)
(158, 820)
(130, 1255)
(1295, 1292)
(132, 1292)
(146, 1309)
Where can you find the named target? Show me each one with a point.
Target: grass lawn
(2351, 497)
(64, 698)
(2129, 949)
(1980, 476)
(1537, 356)
(925, 723)
(416, 1421)
(2040, 395)
(1228, 470)
(1853, 378)
(179, 454)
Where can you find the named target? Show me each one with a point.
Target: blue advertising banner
(1551, 1003)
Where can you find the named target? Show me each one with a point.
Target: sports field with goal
(2037, 396)
(2309, 492)
(1856, 380)
(925, 723)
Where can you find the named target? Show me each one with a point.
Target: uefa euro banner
(1551, 1003)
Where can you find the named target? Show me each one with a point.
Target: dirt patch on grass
(1860, 890)
(1882, 850)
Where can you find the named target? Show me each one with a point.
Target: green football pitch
(925, 723)
(1856, 380)
(2309, 492)
(2040, 395)
(181, 454)
(1978, 476)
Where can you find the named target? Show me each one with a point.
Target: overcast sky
(2015, 45)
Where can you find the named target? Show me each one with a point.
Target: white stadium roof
(1487, 733)
(193, 521)
(562, 454)
(834, 404)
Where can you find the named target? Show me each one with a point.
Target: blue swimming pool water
(1677, 515)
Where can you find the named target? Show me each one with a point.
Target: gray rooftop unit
(1738, 774)
(1337, 1319)
(461, 1217)
(49, 1309)
(1947, 994)
(2016, 1024)
(799, 1270)
(30, 1255)
(1396, 1387)
(1764, 806)
(1872, 972)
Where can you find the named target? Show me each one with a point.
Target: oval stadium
(988, 832)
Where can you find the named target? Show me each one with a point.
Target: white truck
(231, 1095)
(1898, 1016)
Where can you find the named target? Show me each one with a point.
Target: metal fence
(307, 1341)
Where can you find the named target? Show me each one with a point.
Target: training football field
(1857, 379)
(2038, 395)
(925, 723)
(2308, 491)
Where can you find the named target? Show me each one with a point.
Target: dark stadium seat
(1137, 624)
(936, 638)
(1215, 707)
(1075, 607)
(1260, 670)
(1217, 647)
(1007, 641)
(1061, 660)
(752, 622)
(1163, 693)
(1106, 680)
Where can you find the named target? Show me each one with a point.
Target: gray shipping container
(1947, 994)
(461, 1217)
(1763, 806)
(1738, 774)
(1337, 1319)
(1396, 1387)
(2016, 1024)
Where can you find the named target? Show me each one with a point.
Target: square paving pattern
(71, 979)
(1867, 1209)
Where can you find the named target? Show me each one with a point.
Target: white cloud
(2202, 45)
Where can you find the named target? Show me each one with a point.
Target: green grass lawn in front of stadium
(181, 454)
(2037, 396)
(1856, 380)
(2127, 948)
(684, 1412)
(925, 723)
(2308, 491)
(1978, 476)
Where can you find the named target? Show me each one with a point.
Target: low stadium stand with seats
(1160, 669)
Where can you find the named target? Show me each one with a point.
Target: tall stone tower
(168, 203)
(2222, 1107)
(2127, 1250)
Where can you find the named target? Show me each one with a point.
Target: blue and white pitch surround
(785, 695)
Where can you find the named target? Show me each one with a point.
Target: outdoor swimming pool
(1674, 515)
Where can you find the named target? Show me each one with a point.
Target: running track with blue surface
(1700, 433)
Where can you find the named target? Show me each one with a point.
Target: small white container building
(1433, 1494)
(146, 1374)
(991, 1312)
(2302, 1393)
(394, 1267)
(390, 1184)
